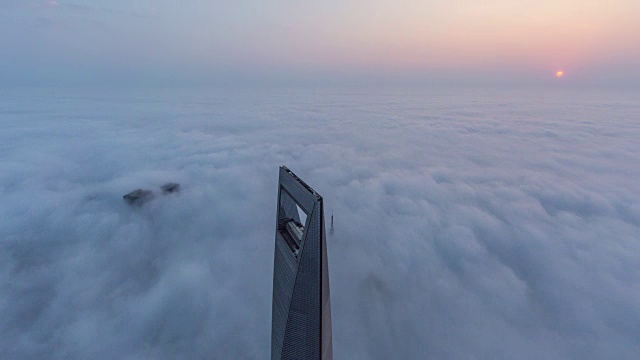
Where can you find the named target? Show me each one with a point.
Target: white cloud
(483, 225)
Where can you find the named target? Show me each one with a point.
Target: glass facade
(301, 309)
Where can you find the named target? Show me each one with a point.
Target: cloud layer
(469, 224)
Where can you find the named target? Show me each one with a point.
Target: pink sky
(527, 38)
(527, 35)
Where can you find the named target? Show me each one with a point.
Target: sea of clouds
(469, 224)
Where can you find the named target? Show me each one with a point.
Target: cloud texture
(469, 224)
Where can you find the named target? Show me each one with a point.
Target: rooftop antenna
(331, 228)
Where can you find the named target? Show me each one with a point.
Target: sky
(469, 224)
(207, 41)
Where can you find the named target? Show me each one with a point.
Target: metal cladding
(301, 309)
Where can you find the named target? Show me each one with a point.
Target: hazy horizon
(200, 42)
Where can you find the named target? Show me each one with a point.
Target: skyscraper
(301, 309)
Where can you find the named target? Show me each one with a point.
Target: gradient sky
(174, 40)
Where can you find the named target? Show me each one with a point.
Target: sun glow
(560, 74)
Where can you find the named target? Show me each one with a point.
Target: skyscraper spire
(301, 309)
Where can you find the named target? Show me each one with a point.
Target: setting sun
(560, 74)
